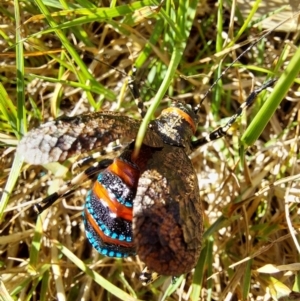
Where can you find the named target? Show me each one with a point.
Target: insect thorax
(176, 125)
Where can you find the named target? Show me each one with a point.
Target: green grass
(179, 50)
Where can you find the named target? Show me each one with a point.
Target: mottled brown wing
(167, 214)
(62, 138)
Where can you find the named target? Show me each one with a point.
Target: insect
(146, 204)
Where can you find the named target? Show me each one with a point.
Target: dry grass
(250, 199)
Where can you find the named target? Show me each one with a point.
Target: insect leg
(92, 158)
(147, 277)
(64, 191)
(134, 89)
(222, 130)
(136, 93)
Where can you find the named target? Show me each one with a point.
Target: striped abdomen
(108, 210)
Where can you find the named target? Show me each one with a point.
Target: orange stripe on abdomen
(112, 203)
(129, 174)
